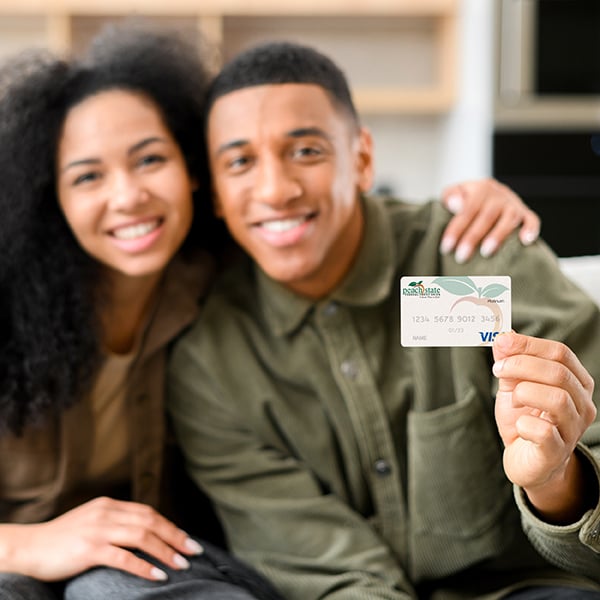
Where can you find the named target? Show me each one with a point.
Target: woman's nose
(127, 192)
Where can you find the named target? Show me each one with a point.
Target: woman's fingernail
(193, 546)
(181, 562)
(488, 247)
(158, 575)
(447, 245)
(529, 237)
(454, 203)
(462, 254)
(497, 367)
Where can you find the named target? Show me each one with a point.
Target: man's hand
(485, 212)
(543, 406)
(100, 532)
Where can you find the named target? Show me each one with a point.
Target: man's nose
(275, 185)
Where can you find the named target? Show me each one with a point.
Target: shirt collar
(367, 283)
(185, 282)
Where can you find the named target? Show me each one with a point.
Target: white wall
(418, 156)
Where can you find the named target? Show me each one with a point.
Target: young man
(344, 465)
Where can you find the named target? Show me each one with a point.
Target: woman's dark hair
(49, 334)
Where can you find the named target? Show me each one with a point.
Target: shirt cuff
(587, 528)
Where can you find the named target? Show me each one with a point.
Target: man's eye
(307, 151)
(237, 163)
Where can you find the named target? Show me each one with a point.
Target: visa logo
(488, 336)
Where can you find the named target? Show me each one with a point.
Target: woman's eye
(151, 159)
(86, 178)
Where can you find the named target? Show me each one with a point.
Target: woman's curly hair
(49, 332)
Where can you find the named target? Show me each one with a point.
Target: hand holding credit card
(454, 310)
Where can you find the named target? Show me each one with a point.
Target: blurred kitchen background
(451, 89)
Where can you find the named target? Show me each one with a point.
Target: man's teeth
(282, 224)
(135, 231)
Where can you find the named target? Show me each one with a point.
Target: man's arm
(544, 408)
(547, 305)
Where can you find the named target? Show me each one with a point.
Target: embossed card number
(454, 311)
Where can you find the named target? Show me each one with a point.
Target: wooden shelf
(431, 8)
(399, 55)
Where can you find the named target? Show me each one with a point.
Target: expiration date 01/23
(455, 319)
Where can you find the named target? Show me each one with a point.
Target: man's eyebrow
(294, 133)
(308, 131)
(229, 145)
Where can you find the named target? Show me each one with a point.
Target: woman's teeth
(135, 231)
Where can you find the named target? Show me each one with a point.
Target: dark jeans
(553, 593)
(19, 587)
(214, 575)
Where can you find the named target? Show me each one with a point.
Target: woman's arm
(485, 212)
(102, 531)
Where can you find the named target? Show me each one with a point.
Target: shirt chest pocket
(457, 489)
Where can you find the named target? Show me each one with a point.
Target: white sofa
(585, 272)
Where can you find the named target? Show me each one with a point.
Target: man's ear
(364, 167)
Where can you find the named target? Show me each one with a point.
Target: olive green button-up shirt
(344, 465)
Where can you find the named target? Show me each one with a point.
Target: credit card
(454, 311)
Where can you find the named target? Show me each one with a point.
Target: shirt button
(382, 467)
(349, 369)
(330, 309)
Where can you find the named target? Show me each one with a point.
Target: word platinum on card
(454, 311)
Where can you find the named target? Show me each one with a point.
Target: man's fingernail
(462, 254)
(454, 203)
(181, 562)
(497, 367)
(488, 247)
(158, 575)
(193, 546)
(447, 245)
(529, 237)
(502, 338)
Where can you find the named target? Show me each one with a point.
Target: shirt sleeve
(275, 512)
(574, 547)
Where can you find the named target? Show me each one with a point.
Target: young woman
(105, 253)
(105, 226)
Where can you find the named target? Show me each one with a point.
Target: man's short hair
(283, 62)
